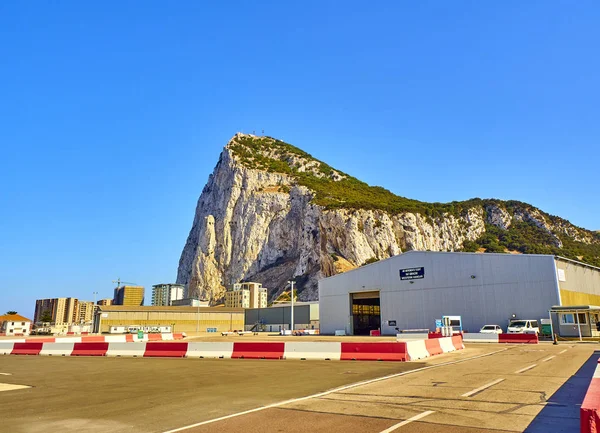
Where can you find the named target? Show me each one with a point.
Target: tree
(46, 316)
(11, 312)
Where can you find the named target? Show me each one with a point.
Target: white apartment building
(163, 295)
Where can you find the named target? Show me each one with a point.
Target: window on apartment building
(13, 323)
(22, 323)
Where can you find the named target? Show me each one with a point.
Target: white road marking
(331, 391)
(481, 388)
(11, 387)
(525, 369)
(549, 358)
(408, 421)
(5, 374)
(560, 353)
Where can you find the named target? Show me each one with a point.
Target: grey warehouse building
(412, 290)
(278, 317)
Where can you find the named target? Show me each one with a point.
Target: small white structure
(14, 324)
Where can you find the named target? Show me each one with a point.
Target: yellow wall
(569, 298)
(184, 321)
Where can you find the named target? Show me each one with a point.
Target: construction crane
(118, 281)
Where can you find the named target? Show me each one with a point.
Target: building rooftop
(14, 318)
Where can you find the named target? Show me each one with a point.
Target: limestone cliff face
(252, 224)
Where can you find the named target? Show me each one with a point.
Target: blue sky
(113, 114)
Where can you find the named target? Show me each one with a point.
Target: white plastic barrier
(480, 338)
(68, 340)
(6, 347)
(115, 339)
(57, 349)
(446, 344)
(416, 350)
(340, 332)
(167, 337)
(126, 349)
(308, 350)
(210, 350)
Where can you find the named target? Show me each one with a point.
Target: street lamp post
(292, 308)
(94, 313)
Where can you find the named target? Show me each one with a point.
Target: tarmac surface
(486, 388)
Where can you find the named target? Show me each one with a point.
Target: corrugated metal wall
(482, 288)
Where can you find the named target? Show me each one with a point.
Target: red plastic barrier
(154, 337)
(90, 349)
(258, 350)
(457, 342)
(164, 349)
(374, 351)
(178, 336)
(93, 339)
(129, 338)
(27, 348)
(41, 340)
(589, 412)
(434, 335)
(433, 346)
(518, 338)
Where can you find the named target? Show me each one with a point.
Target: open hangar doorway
(366, 312)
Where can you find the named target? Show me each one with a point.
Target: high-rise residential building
(163, 295)
(86, 312)
(60, 311)
(129, 295)
(105, 302)
(246, 295)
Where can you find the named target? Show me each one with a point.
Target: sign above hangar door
(412, 273)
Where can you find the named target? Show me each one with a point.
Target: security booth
(576, 320)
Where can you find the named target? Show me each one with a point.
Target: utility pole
(292, 309)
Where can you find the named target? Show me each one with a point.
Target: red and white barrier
(589, 413)
(311, 351)
(359, 351)
(501, 338)
(210, 350)
(99, 338)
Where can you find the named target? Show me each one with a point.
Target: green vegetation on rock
(334, 189)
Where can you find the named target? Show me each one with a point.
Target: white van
(522, 326)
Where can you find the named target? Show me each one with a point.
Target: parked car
(523, 327)
(491, 329)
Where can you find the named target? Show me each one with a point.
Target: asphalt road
(483, 389)
(77, 394)
(532, 389)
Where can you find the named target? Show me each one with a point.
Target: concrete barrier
(57, 349)
(27, 348)
(518, 338)
(93, 339)
(446, 344)
(310, 351)
(411, 337)
(6, 348)
(457, 342)
(589, 412)
(165, 350)
(40, 340)
(480, 338)
(210, 350)
(416, 350)
(433, 346)
(90, 349)
(380, 351)
(126, 349)
(258, 350)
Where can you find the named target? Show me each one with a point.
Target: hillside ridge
(270, 212)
